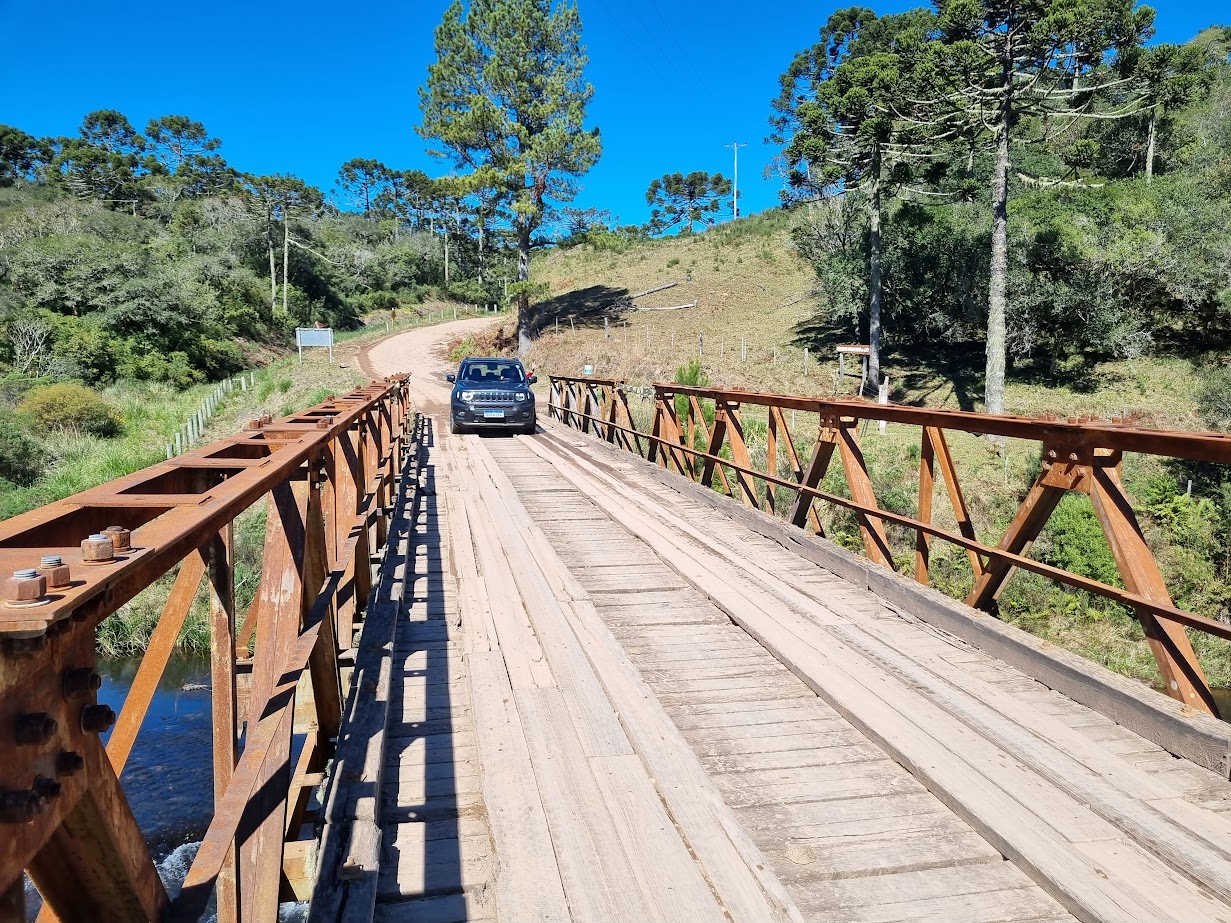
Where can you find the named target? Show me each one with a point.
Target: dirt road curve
(418, 352)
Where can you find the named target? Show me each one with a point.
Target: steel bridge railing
(1083, 455)
(327, 477)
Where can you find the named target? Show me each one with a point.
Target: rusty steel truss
(327, 477)
(1077, 454)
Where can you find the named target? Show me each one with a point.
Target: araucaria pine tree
(1018, 69)
(507, 100)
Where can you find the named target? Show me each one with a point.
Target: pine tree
(1004, 65)
(506, 99)
(685, 199)
(836, 114)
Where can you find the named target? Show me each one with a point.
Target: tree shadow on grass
(584, 307)
(920, 373)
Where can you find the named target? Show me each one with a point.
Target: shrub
(1074, 541)
(1214, 399)
(21, 457)
(71, 406)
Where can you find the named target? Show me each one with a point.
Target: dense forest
(1053, 202)
(146, 256)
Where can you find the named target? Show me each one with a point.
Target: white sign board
(314, 336)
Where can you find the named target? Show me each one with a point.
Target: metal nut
(69, 763)
(120, 537)
(55, 570)
(19, 807)
(27, 587)
(97, 719)
(79, 682)
(34, 728)
(47, 788)
(253, 424)
(97, 549)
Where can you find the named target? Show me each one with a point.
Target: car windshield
(491, 372)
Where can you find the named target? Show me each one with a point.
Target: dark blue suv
(492, 393)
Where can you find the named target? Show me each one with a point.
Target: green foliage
(1074, 541)
(685, 200)
(1214, 398)
(507, 98)
(692, 373)
(70, 406)
(22, 459)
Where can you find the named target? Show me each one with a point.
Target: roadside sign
(314, 336)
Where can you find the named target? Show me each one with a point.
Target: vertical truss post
(282, 604)
(948, 471)
(802, 509)
(1182, 675)
(771, 460)
(860, 484)
(927, 461)
(739, 454)
(220, 558)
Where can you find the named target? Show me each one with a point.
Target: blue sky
(303, 87)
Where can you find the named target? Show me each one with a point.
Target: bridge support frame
(78, 837)
(1080, 454)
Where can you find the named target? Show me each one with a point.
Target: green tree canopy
(1005, 66)
(20, 155)
(685, 200)
(174, 139)
(835, 112)
(506, 99)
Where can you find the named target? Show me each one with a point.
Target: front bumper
(511, 415)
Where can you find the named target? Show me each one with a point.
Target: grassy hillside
(750, 284)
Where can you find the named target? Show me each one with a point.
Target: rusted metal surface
(66, 820)
(1078, 454)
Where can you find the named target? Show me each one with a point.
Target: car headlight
(468, 395)
(519, 396)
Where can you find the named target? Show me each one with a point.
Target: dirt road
(419, 352)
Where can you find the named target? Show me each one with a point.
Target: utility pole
(735, 146)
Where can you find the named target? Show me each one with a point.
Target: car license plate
(493, 415)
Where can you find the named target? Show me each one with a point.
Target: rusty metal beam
(81, 844)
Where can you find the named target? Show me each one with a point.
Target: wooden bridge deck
(612, 701)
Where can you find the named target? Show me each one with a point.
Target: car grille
(494, 397)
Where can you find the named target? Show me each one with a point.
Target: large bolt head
(19, 807)
(97, 549)
(79, 682)
(120, 537)
(69, 763)
(97, 719)
(34, 728)
(25, 587)
(55, 570)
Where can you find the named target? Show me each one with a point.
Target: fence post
(882, 398)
